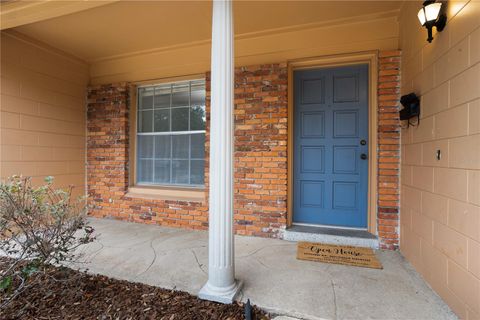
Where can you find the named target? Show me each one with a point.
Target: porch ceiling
(127, 27)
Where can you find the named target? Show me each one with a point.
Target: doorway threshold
(321, 234)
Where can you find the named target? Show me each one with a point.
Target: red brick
(388, 148)
(260, 203)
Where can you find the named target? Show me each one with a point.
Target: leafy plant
(38, 226)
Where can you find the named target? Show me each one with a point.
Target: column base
(221, 295)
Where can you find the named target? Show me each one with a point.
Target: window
(171, 134)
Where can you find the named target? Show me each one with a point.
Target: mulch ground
(62, 293)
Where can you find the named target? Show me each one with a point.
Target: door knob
(363, 142)
(363, 156)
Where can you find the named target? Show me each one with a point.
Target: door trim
(371, 59)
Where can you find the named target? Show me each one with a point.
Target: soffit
(127, 27)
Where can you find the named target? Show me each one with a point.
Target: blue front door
(331, 146)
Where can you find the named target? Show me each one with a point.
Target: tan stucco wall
(440, 199)
(340, 37)
(42, 113)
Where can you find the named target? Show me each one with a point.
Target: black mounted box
(411, 106)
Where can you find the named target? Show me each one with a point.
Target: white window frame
(169, 133)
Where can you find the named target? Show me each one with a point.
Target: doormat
(347, 255)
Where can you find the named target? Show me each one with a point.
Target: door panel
(330, 120)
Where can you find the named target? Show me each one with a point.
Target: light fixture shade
(432, 10)
(429, 17)
(421, 16)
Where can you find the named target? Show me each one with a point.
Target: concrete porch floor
(273, 278)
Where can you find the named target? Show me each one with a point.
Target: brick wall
(260, 157)
(108, 166)
(388, 149)
(260, 202)
(261, 149)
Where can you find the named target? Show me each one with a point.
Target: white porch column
(221, 285)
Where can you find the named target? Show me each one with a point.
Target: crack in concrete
(92, 255)
(155, 253)
(83, 257)
(334, 298)
(260, 261)
(153, 260)
(260, 249)
(198, 262)
(180, 249)
(290, 314)
(130, 245)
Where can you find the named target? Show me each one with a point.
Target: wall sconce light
(430, 17)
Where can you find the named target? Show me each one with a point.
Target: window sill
(167, 193)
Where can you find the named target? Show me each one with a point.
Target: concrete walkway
(273, 278)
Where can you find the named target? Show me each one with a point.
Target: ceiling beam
(17, 13)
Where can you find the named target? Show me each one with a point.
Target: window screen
(171, 134)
